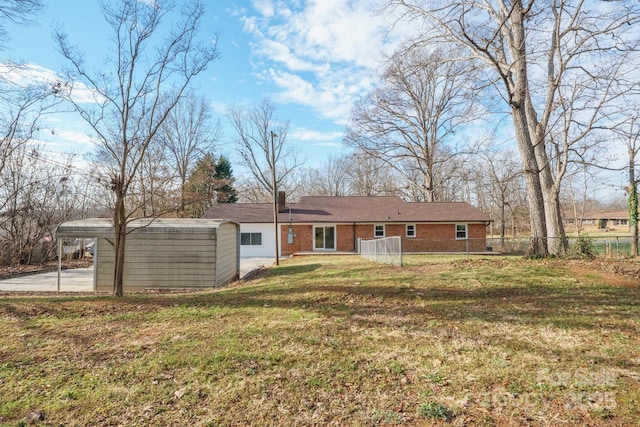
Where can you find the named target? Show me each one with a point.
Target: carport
(161, 253)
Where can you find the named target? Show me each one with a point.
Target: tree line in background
(560, 78)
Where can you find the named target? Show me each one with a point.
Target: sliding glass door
(325, 238)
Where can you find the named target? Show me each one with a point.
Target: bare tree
(370, 176)
(627, 130)
(329, 179)
(262, 145)
(536, 52)
(21, 111)
(134, 94)
(20, 107)
(188, 134)
(500, 181)
(21, 12)
(410, 120)
(575, 200)
(36, 197)
(153, 192)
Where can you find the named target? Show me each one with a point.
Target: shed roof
(349, 209)
(103, 227)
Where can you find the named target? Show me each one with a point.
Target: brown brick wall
(429, 237)
(442, 238)
(302, 241)
(346, 241)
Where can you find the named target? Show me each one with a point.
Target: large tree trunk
(118, 266)
(503, 216)
(556, 237)
(539, 246)
(427, 189)
(633, 204)
(523, 125)
(120, 231)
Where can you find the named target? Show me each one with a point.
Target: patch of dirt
(254, 274)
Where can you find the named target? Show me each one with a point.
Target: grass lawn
(337, 341)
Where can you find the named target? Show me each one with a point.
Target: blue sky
(313, 59)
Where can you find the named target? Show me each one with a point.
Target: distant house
(597, 220)
(334, 224)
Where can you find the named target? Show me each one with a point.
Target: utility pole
(275, 193)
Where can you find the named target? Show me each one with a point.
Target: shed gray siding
(228, 261)
(168, 254)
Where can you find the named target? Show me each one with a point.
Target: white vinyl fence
(387, 250)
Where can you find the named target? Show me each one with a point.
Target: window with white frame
(250, 239)
(411, 230)
(461, 231)
(378, 230)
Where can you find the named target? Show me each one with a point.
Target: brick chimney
(282, 201)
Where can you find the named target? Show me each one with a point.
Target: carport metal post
(467, 242)
(275, 194)
(59, 260)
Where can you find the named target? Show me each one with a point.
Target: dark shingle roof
(243, 212)
(315, 209)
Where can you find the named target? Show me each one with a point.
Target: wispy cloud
(25, 75)
(308, 135)
(322, 53)
(76, 138)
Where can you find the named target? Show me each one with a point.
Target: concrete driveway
(81, 279)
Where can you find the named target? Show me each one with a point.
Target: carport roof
(103, 227)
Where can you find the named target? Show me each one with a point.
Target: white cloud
(332, 95)
(24, 75)
(264, 7)
(304, 134)
(77, 138)
(83, 95)
(220, 108)
(322, 53)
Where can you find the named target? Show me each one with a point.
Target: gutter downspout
(355, 239)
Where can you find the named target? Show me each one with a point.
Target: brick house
(597, 220)
(334, 224)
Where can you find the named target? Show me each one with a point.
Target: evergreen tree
(210, 182)
(201, 186)
(225, 193)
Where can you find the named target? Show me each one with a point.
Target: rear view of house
(335, 224)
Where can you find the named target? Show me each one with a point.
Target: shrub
(582, 248)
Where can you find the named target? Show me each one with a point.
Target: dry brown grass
(336, 341)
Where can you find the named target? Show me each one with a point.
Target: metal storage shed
(162, 253)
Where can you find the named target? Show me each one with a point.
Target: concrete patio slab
(81, 279)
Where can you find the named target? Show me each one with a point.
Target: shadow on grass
(569, 306)
(289, 270)
(403, 301)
